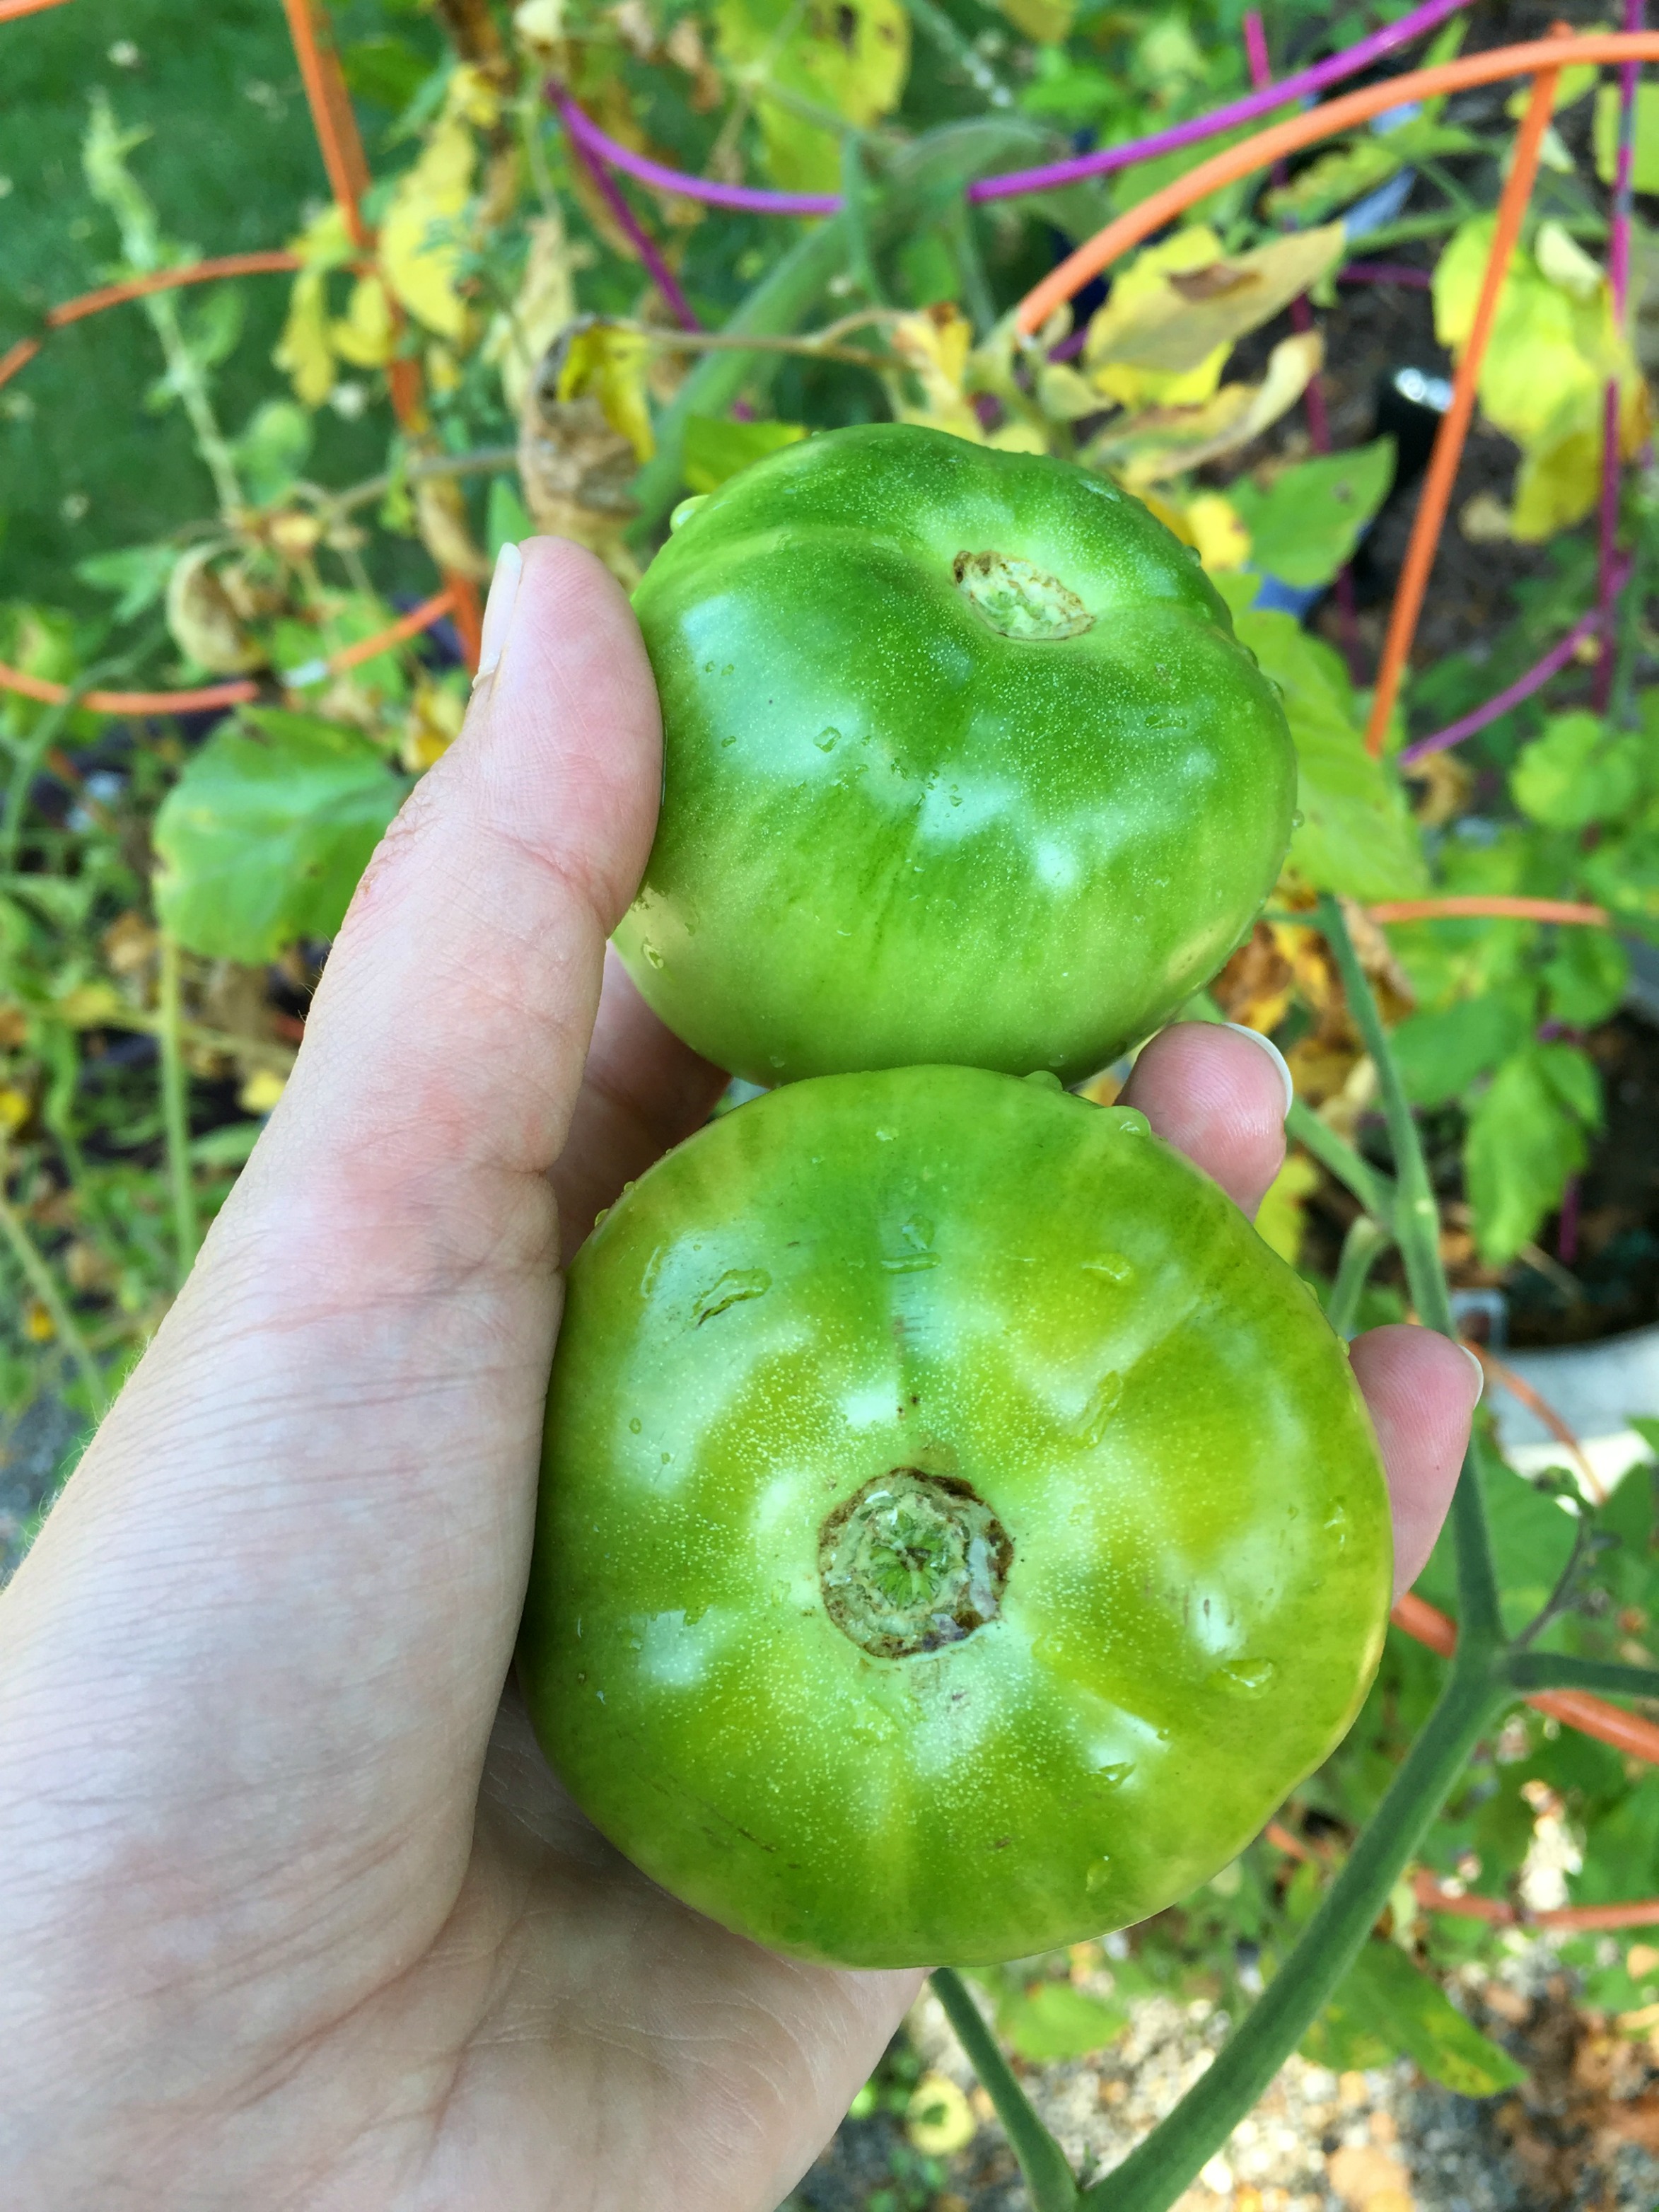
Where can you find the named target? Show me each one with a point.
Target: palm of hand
(295, 1914)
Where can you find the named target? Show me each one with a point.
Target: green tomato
(963, 763)
(958, 1531)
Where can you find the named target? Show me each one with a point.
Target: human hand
(294, 1913)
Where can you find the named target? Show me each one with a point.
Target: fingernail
(1274, 1054)
(1479, 1371)
(498, 609)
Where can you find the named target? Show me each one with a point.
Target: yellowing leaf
(1144, 285)
(1217, 530)
(1550, 354)
(364, 335)
(1564, 261)
(848, 56)
(1048, 22)
(1182, 323)
(609, 365)
(303, 352)
(1165, 441)
(545, 304)
(421, 239)
(1281, 1220)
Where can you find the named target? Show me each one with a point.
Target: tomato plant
(958, 1530)
(963, 763)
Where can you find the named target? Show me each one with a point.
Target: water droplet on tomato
(1102, 1403)
(1099, 1873)
(727, 741)
(635, 1425)
(827, 740)
(1246, 1678)
(1297, 819)
(1129, 1123)
(1112, 1265)
(653, 955)
(1045, 1079)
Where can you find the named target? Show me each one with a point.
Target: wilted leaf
(576, 466)
(263, 838)
(1183, 317)
(1308, 521)
(441, 517)
(1356, 837)
(1526, 1136)
(1143, 290)
(203, 619)
(716, 449)
(544, 303)
(934, 345)
(1165, 441)
(850, 57)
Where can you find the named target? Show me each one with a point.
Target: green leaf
(716, 449)
(818, 59)
(271, 451)
(138, 575)
(1055, 2021)
(226, 1147)
(508, 520)
(1646, 177)
(1308, 521)
(263, 837)
(1356, 837)
(1441, 1054)
(1532, 1536)
(1622, 874)
(1386, 2007)
(384, 69)
(1585, 978)
(1526, 1136)
(1576, 773)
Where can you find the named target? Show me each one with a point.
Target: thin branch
(175, 1110)
(1416, 1225)
(1565, 1670)
(1158, 2169)
(37, 1272)
(1362, 1248)
(1374, 1190)
(1041, 2162)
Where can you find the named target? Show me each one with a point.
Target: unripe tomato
(958, 1530)
(962, 762)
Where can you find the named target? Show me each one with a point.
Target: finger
(1220, 1096)
(1422, 1389)
(643, 1091)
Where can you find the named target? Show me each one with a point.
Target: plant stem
(1041, 2159)
(1369, 1185)
(1416, 1225)
(1564, 1670)
(175, 1114)
(1365, 1241)
(937, 28)
(37, 1273)
(1155, 2173)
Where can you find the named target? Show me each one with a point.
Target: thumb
(312, 1504)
